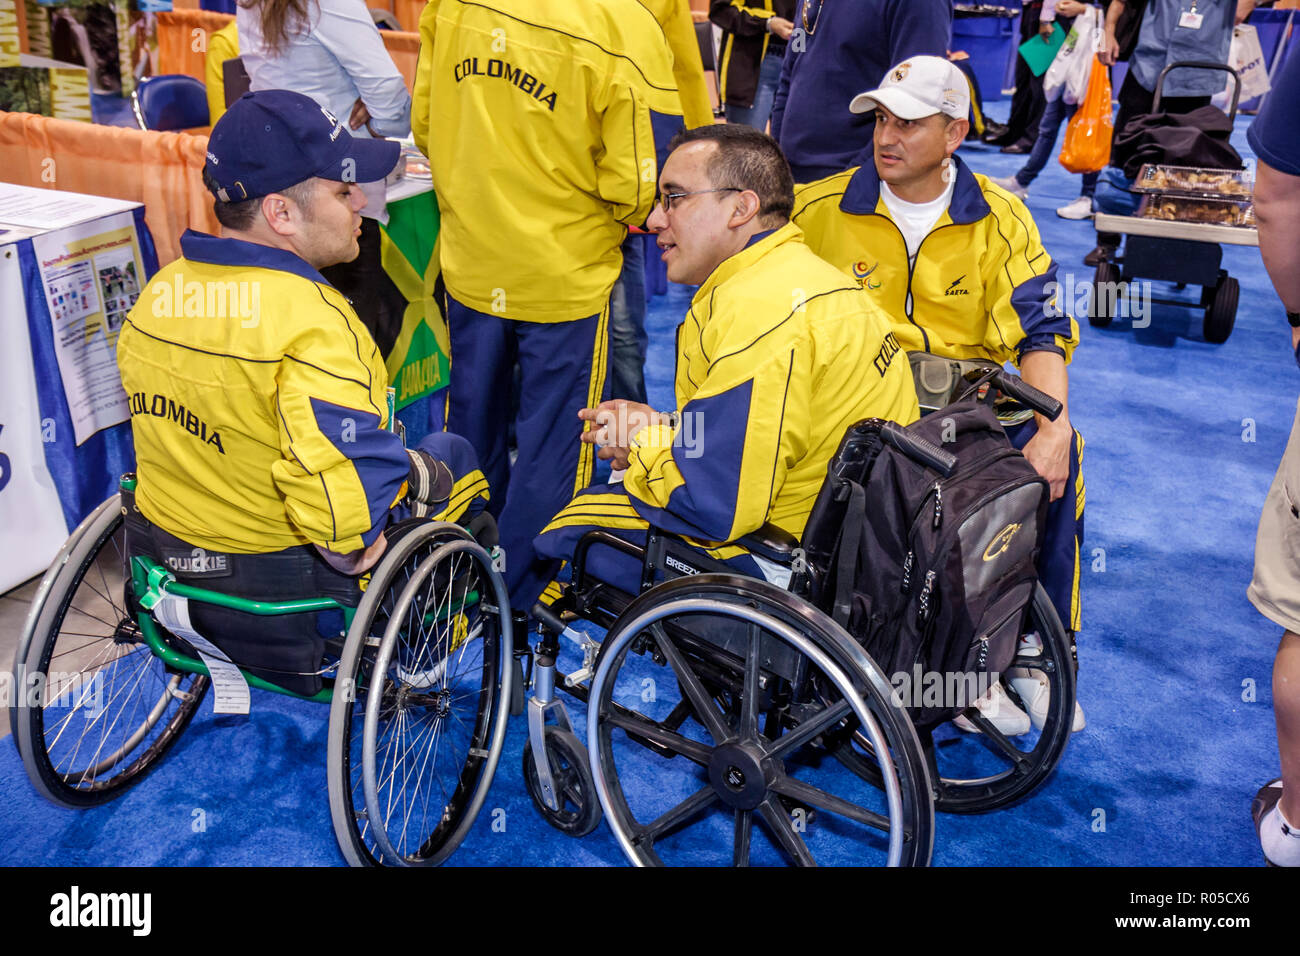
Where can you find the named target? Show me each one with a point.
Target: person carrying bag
(1087, 138)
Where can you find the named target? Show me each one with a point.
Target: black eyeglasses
(666, 200)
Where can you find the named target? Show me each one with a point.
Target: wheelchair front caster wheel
(575, 790)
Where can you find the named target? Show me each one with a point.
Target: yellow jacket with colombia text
(777, 357)
(535, 116)
(982, 285)
(258, 404)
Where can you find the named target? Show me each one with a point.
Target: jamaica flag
(417, 364)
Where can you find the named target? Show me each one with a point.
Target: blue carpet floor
(1182, 441)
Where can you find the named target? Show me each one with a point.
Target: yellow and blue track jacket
(258, 404)
(535, 116)
(688, 68)
(777, 357)
(982, 285)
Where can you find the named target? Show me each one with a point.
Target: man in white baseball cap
(956, 262)
(919, 87)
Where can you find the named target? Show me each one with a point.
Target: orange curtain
(408, 13)
(161, 170)
(404, 48)
(176, 36)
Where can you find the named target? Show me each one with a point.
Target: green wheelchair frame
(423, 651)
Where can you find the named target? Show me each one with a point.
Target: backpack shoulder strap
(846, 554)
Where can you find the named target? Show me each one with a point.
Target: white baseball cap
(918, 87)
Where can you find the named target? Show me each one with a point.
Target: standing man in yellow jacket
(957, 264)
(535, 116)
(778, 356)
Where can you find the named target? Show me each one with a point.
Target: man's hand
(1049, 452)
(780, 27)
(1244, 9)
(1109, 52)
(1046, 29)
(360, 115)
(355, 562)
(1069, 8)
(613, 425)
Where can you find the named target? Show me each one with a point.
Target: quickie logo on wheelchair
(6, 471)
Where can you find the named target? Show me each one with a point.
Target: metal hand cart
(1178, 250)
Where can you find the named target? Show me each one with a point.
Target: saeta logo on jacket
(954, 290)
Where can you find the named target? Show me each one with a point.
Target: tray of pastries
(1194, 182)
(1217, 212)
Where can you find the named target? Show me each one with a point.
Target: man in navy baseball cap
(284, 171)
(271, 450)
(274, 139)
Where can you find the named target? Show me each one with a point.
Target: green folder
(1040, 53)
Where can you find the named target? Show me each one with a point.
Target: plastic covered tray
(1217, 212)
(1194, 182)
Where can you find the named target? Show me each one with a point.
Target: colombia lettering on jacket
(511, 74)
(160, 406)
(777, 357)
(981, 284)
(255, 433)
(562, 94)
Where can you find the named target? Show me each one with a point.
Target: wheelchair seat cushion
(285, 649)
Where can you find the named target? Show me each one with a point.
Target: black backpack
(931, 575)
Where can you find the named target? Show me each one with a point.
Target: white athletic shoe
(996, 707)
(1011, 185)
(1033, 689)
(1081, 208)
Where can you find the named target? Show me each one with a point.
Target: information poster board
(92, 274)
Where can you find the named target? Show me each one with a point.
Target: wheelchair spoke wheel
(95, 709)
(978, 772)
(418, 717)
(755, 783)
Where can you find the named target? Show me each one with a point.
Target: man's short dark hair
(243, 214)
(747, 159)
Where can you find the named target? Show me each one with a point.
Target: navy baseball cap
(274, 139)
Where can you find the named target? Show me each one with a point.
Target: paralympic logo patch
(862, 273)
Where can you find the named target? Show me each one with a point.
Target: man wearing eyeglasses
(779, 354)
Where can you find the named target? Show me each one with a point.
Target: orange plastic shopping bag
(1087, 138)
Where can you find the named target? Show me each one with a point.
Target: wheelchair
(416, 682)
(731, 720)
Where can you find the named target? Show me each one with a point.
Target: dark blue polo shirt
(1275, 134)
(845, 48)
